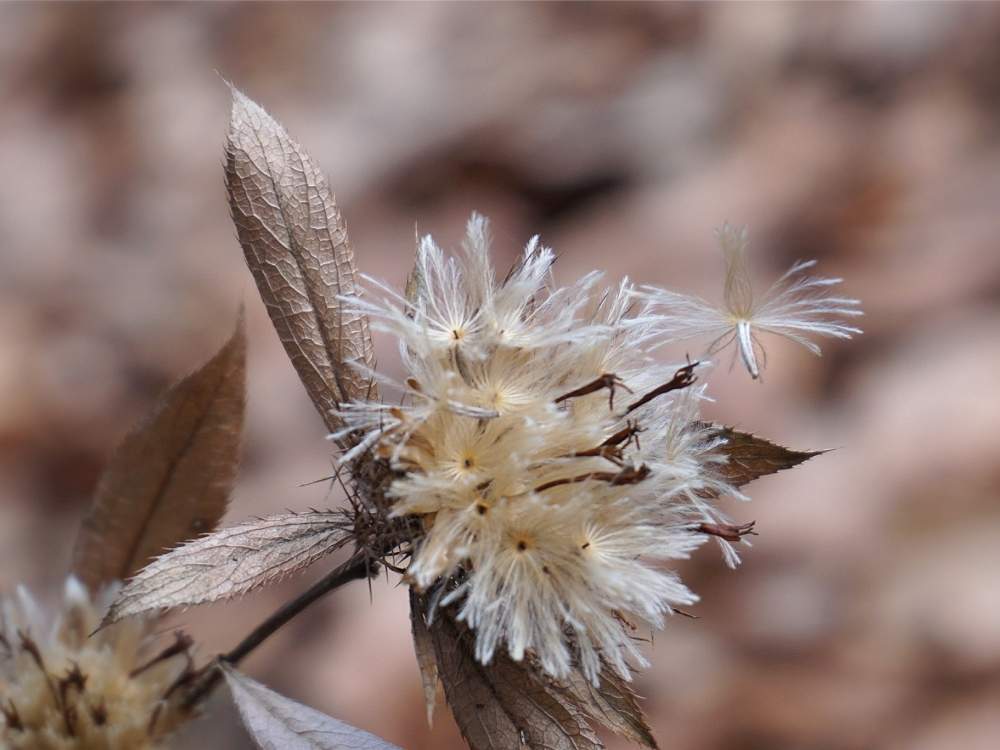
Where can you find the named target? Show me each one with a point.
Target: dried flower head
(795, 306)
(539, 474)
(61, 689)
(555, 467)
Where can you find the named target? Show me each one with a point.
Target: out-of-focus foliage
(864, 135)
(170, 478)
(277, 722)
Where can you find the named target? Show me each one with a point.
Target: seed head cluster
(61, 689)
(556, 467)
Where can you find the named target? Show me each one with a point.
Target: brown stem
(628, 475)
(11, 716)
(729, 531)
(611, 452)
(607, 380)
(357, 568)
(181, 645)
(682, 379)
(624, 435)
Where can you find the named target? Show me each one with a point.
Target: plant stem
(357, 568)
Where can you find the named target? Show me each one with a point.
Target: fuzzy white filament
(556, 467)
(795, 306)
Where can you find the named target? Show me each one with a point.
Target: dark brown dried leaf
(505, 704)
(750, 457)
(170, 478)
(613, 704)
(423, 646)
(231, 562)
(296, 245)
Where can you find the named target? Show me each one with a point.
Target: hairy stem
(357, 568)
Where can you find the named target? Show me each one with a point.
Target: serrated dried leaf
(613, 704)
(423, 647)
(297, 248)
(279, 723)
(169, 480)
(230, 562)
(505, 704)
(750, 457)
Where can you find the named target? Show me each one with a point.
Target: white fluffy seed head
(551, 500)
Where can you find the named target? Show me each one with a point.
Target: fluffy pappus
(555, 466)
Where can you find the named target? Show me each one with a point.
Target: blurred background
(866, 136)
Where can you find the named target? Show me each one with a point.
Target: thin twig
(608, 380)
(682, 379)
(357, 568)
(729, 531)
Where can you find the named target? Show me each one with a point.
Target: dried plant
(65, 690)
(170, 478)
(538, 475)
(168, 481)
(795, 306)
(278, 723)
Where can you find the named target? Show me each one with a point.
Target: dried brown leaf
(296, 245)
(279, 723)
(750, 456)
(231, 562)
(613, 704)
(423, 646)
(170, 478)
(505, 704)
